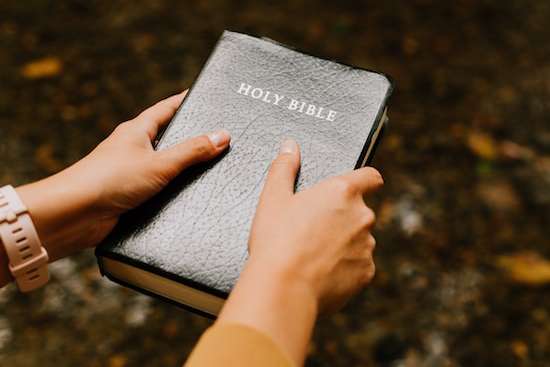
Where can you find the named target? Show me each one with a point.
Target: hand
(309, 252)
(124, 170)
(80, 205)
(320, 236)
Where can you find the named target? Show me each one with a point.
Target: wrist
(287, 273)
(285, 279)
(273, 301)
(62, 212)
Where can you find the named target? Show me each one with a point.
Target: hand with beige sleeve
(309, 253)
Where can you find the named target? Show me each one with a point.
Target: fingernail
(219, 138)
(288, 146)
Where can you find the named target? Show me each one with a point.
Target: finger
(370, 272)
(365, 180)
(362, 248)
(192, 151)
(158, 115)
(364, 270)
(279, 184)
(368, 218)
(371, 242)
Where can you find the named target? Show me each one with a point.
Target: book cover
(188, 243)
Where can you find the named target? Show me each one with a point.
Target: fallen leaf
(499, 195)
(514, 151)
(118, 361)
(42, 68)
(482, 145)
(526, 268)
(520, 349)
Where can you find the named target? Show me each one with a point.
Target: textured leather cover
(196, 230)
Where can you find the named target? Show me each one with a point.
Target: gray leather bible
(188, 243)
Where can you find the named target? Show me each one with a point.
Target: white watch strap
(28, 260)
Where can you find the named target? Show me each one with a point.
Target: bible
(188, 244)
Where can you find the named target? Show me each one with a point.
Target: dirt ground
(463, 254)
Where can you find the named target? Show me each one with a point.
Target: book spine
(367, 153)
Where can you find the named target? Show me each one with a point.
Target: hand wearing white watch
(77, 207)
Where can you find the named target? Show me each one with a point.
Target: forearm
(61, 211)
(275, 303)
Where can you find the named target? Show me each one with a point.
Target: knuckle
(369, 217)
(122, 127)
(372, 243)
(370, 246)
(372, 271)
(375, 175)
(368, 273)
(343, 187)
(367, 253)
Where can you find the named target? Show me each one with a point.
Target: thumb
(192, 151)
(279, 184)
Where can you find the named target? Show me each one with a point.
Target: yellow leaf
(118, 361)
(482, 145)
(42, 68)
(526, 267)
(520, 349)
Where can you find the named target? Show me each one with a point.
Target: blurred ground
(463, 253)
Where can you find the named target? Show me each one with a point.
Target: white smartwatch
(28, 260)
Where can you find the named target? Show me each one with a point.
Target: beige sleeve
(231, 345)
